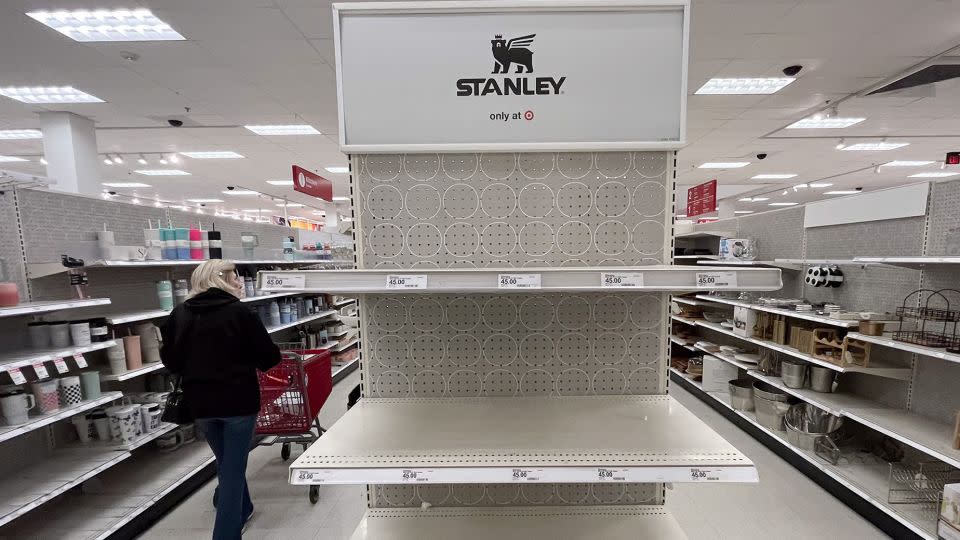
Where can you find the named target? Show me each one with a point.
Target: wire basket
(919, 483)
(925, 324)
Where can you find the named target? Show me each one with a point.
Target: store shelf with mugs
(47, 306)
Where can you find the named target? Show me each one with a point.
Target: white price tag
(40, 370)
(413, 476)
(284, 281)
(80, 360)
(306, 477)
(711, 280)
(525, 475)
(611, 475)
(518, 281)
(61, 365)
(407, 281)
(17, 377)
(624, 280)
(698, 474)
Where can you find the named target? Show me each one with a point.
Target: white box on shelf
(717, 373)
(744, 319)
(950, 507)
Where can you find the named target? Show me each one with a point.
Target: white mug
(16, 408)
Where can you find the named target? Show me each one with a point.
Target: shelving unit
(302, 320)
(708, 234)
(36, 308)
(909, 347)
(683, 320)
(150, 314)
(774, 264)
(345, 346)
(340, 371)
(779, 311)
(914, 263)
(22, 358)
(133, 373)
(37, 422)
(43, 269)
(698, 258)
(680, 342)
(136, 443)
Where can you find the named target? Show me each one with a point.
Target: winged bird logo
(514, 51)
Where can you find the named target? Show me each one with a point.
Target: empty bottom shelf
(517, 523)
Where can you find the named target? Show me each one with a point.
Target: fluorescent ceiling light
(10, 159)
(801, 186)
(280, 182)
(341, 198)
(874, 146)
(48, 94)
(761, 199)
(723, 165)
(825, 123)
(842, 192)
(746, 199)
(126, 184)
(20, 134)
(772, 176)
(298, 129)
(907, 163)
(251, 210)
(318, 213)
(204, 200)
(212, 155)
(162, 172)
(239, 192)
(681, 215)
(783, 204)
(819, 184)
(346, 219)
(933, 174)
(743, 211)
(744, 86)
(338, 170)
(43, 161)
(107, 25)
(290, 205)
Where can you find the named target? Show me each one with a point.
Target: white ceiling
(271, 62)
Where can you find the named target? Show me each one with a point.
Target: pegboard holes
(499, 313)
(536, 200)
(574, 199)
(460, 201)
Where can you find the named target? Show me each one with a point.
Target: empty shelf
(46, 306)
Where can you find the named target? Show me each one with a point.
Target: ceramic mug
(90, 384)
(117, 358)
(16, 408)
(39, 333)
(60, 335)
(101, 424)
(149, 416)
(80, 334)
(131, 349)
(124, 423)
(70, 391)
(82, 423)
(47, 395)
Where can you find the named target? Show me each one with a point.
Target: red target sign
(528, 115)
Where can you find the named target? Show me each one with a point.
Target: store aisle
(785, 501)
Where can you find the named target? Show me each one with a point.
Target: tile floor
(784, 501)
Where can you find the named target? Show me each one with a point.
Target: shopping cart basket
(291, 395)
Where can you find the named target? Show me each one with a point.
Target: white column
(70, 148)
(725, 208)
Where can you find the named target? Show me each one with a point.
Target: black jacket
(217, 345)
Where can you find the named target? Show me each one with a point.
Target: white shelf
(727, 358)
(544, 439)
(344, 303)
(339, 371)
(46, 306)
(876, 368)
(37, 422)
(908, 262)
(684, 320)
(734, 262)
(27, 488)
(149, 314)
(133, 373)
(345, 346)
(909, 347)
(458, 280)
(695, 257)
(519, 523)
(681, 343)
(867, 480)
(707, 234)
(136, 443)
(302, 320)
(689, 301)
(41, 269)
(779, 311)
(22, 358)
(268, 296)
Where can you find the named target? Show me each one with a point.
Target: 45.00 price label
(621, 280)
(284, 281)
(418, 281)
(716, 280)
(704, 475)
(518, 281)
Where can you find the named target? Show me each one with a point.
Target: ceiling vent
(942, 70)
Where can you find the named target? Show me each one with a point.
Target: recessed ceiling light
(280, 182)
(723, 164)
(874, 146)
(761, 199)
(142, 160)
(10, 159)
(744, 86)
(204, 200)
(347, 219)
(933, 174)
(338, 170)
(772, 176)
(43, 161)
(239, 192)
(800, 186)
(341, 198)
(783, 204)
(251, 210)
(842, 192)
(20, 134)
(825, 123)
(743, 211)
(126, 184)
(107, 160)
(118, 159)
(162, 172)
(746, 199)
(318, 213)
(907, 163)
(819, 184)
(107, 25)
(298, 129)
(290, 205)
(212, 155)
(48, 94)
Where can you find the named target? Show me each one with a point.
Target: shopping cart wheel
(304, 446)
(314, 494)
(285, 451)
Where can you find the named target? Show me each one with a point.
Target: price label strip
(406, 281)
(716, 280)
(621, 280)
(698, 474)
(80, 360)
(525, 475)
(518, 281)
(61, 365)
(284, 281)
(605, 474)
(40, 370)
(306, 477)
(17, 376)
(408, 476)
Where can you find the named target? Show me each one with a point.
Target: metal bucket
(806, 423)
(741, 394)
(821, 379)
(793, 373)
(769, 392)
(771, 405)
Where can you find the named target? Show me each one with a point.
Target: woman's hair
(210, 274)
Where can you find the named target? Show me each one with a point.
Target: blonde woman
(216, 345)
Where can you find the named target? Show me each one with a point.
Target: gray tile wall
(944, 235)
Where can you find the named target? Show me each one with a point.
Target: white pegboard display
(546, 209)
(11, 251)
(386, 496)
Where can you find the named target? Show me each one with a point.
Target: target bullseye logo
(528, 115)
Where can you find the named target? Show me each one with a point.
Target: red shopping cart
(291, 395)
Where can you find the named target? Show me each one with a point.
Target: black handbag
(177, 410)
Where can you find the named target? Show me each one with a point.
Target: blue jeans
(229, 438)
